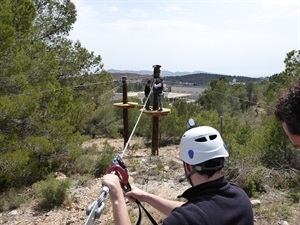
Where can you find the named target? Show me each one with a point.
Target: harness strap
(147, 213)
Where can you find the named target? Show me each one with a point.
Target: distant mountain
(196, 78)
(204, 79)
(163, 73)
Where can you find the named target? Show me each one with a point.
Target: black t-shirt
(147, 89)
(213, 203)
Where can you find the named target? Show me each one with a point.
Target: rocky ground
(156, 174)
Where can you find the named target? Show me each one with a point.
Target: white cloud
(112, 9)
(138, 13)
(271, 3)
(231, 38)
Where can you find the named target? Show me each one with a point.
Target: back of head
(287, 108)
(201, 144)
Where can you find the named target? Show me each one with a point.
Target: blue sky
(245, 38)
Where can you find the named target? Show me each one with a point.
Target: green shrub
(104, 161)
(252, 185)
(248, 178)
(159, 165)
(275, 211)
(52, 191)
(113, 131)
(84, 164)
(11, 199)
(18, 168)
(174, 165)
(294, 195)
(134, 147)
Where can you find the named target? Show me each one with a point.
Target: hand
(136, 194)
(113, 183)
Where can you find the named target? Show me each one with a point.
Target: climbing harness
(119, 168)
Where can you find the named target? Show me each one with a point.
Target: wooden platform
(156, 113)
(127, 105)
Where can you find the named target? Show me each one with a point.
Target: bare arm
(163, 205)
(157, 85)
(119, 207)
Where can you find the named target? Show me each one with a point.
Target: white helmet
(201, 144)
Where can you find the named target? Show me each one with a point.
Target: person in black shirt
(211, 199)
(147, 92)
(159, 88)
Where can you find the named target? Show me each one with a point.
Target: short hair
(287, 108)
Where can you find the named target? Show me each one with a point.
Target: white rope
(126, 146)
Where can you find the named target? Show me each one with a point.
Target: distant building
(235, 82)
(172, 97)
(119, 96)
(186, 93)
(193, 92)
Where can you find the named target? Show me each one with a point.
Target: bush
(104, 161)
(275, 211)
(12, 199)
(294, 195)
(248, 178)
(18, 168)
(84, 164)
(52, 191)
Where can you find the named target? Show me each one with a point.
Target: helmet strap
(209, 170)
(203, 169)
(189, 172)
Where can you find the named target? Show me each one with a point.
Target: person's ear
(188, 167)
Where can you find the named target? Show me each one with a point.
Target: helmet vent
(212, 137)
(202, 139)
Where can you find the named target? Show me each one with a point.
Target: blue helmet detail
(191, 153)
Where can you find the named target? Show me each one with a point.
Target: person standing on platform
(159, 87)
(147, 93)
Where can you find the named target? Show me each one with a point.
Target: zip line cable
(80, 86)
(58, 89)
(105, 190)
(138, 119)
(95, 209)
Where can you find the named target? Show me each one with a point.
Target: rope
(126, 146)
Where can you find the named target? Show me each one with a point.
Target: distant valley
(164, 73)
(197, 78)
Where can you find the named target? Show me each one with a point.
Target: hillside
(156, 174)
(130, 76)
(164, 73)
(198, 79)
(203, 79)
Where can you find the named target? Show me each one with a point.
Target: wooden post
(155, 135)
(155, 120)
(125, 111)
